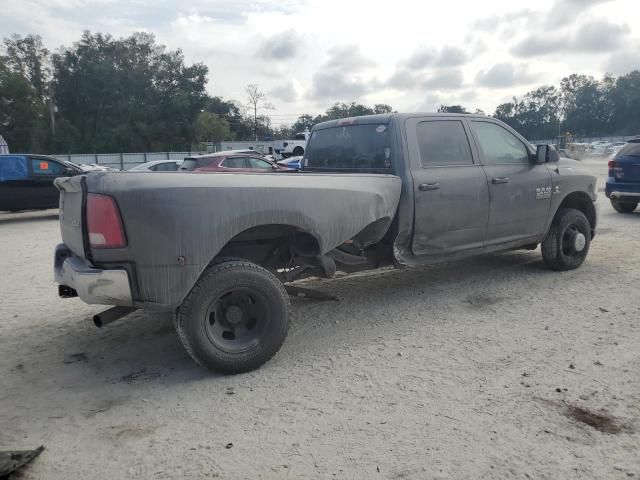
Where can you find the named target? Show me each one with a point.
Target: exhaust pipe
(111, 315)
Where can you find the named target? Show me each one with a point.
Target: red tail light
(611, 164)
(104, 222)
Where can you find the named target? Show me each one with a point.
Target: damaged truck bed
(400, 189)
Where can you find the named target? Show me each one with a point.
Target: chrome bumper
(624, 194)
(93, 285)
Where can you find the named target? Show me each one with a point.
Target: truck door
(14, 183)
(519, 190)
(43, 194)
(450, 190)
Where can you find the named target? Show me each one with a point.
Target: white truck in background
(292, 148)
(4, 148)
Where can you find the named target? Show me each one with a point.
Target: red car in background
(231, 162)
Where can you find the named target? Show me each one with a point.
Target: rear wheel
(235, 319)
(567, 243)
(624, 206)
(298, 151)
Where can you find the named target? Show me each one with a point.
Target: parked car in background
(623, 182)
(26, 181)
(295, 147)
(157, 166)
(291, 162)
(230, 162)
(4, 148)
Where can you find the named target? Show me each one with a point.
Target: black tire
(561, 248)
(298, 152)
(624, 206)
(235, 318)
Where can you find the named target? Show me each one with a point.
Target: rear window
(13, 167)
(630, 150)
(350, 147)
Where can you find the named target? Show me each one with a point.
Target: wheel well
(262, 243)
(581, 201)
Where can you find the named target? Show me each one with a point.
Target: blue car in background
(292, 162)
(623, 182)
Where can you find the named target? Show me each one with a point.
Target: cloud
(598, 36)
(335, 79)
(281, 46)
(445, 80)
(540, 44)
(592, 36)
(337, 86)
(503, 75)
(624, 62)
(406, 79)
(287, 92)
(421, 58)
(348, 58)
(451, 57)
(448, 56)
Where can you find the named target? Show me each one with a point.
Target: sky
(308, 54)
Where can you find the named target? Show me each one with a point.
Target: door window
(443, 142)
(259, 163)
(165, 167)
(46, 167)
(234, 162)
(498, 145)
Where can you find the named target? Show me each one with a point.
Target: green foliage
(104, 94)
(211, 127)
(582, 106)
(452, 109)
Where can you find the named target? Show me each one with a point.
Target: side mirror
(546, 154)
(541, 154)
(70, 172)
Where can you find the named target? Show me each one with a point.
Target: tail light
(104, 223)
(615, 170)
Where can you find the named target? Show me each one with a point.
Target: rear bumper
(92, 285)
(621, 189)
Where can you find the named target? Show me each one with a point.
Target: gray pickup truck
(219, 249)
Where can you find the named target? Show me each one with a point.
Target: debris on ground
(600, 421)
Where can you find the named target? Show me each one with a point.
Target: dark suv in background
(623, 183)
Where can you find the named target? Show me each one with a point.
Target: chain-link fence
(122, 161)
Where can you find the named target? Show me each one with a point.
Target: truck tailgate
(71, 212)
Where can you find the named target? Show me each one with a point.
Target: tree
(452, 109)
(126, 94)
(382, 108)
(210, 127)
(257, 99)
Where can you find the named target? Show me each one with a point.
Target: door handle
(424, 187)
(495, 180)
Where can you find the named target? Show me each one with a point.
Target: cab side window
(498, 145)
(443, 143)
(46, 167)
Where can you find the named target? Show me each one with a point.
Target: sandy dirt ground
(489, 368)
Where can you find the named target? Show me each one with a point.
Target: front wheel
(298, 152)
(624, 207)
(567, 243)
(235, 319)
